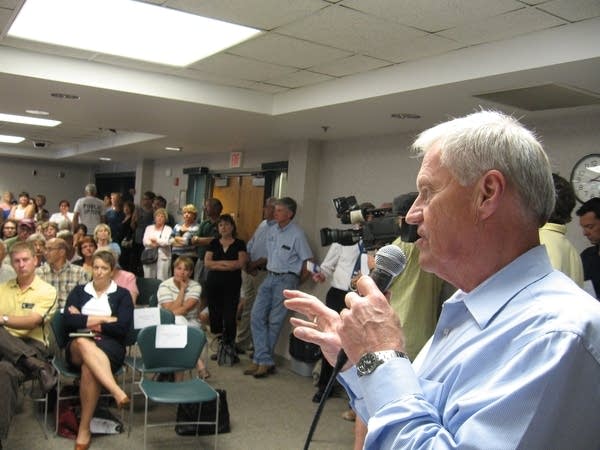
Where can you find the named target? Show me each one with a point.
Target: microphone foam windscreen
(391, 259)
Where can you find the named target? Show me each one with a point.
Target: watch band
(370, 361)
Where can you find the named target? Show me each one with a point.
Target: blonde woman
(181, 238)
(106, 309)
(158, 235)
(103, 238)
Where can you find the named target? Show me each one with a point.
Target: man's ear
(490, 190)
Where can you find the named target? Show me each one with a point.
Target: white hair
(471, 145)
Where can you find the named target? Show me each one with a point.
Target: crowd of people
(481, 339)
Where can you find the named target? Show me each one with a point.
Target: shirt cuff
(391, 381)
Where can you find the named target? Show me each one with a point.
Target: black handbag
(304, 351)
(188, 412)
(226, 355)
(149, 255)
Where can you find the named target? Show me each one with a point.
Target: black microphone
(390, 261)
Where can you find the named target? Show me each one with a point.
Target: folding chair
(194, 390)
(132, 359)
(63, 368)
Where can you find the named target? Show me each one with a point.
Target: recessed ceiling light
(173, 149)
(37, 112)
(11, 139)
(405, 116)
(137, 30)
(104, 158)
(28, 120)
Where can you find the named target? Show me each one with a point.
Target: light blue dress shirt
(287, 249)
(257, 245)
(515, 363)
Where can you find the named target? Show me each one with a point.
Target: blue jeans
(268, 314)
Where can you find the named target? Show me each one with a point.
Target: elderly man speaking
(514, 361)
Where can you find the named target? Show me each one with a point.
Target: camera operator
(344, 264)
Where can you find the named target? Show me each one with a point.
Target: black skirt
(109, 345)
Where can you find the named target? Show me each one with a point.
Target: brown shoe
(262, 371)
(251, 370)
(349, 415)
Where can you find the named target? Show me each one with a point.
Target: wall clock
(585, 177)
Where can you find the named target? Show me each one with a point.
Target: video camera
(379, 225)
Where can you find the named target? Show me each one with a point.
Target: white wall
(16, 175)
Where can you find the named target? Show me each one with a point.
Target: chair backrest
(58, 328)
(147, 288)
(170, 358)
(166, 317)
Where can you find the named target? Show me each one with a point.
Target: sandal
(204, 374)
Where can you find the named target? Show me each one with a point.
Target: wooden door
(244, 202)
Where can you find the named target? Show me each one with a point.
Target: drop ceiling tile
(422, 47)
(349, 66)
(9, 4)
(268, 88)
(505, 26)
(434, 15)
(263, 14)
(572, 10)
(287, 51)
(299, 79)
(351, 30)
(240, 67)
(5, 15)
(215, 79)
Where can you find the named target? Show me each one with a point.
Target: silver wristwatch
(372, 360)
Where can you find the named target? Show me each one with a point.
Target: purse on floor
(188, 412)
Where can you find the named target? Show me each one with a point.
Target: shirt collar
(89, 288)
(556, 227)
(486, 300)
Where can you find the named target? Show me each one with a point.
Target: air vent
(543, 97)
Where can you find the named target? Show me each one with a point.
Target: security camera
(40, 144)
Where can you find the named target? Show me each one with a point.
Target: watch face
(585, 177)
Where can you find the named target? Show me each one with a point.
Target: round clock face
(585, 177)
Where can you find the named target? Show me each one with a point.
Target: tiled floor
(273, 413)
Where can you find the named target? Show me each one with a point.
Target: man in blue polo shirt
(287, 251)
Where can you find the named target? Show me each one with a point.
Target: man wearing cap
(25, 229)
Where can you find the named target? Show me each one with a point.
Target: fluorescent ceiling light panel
(28, 120)
(11, 139)
(127, 28)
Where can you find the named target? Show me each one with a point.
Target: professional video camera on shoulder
(380, 226)
(350, 212)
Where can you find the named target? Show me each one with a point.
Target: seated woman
(106, 309)
(181, 295)
(86, 247)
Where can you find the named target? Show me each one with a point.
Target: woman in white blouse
(106, 310)
(157, 235)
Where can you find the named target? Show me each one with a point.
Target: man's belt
(284, 273)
